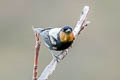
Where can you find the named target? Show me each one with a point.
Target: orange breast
(66, 37)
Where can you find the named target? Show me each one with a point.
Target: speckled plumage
(56, 38)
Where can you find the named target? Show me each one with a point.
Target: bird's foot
(57, 58)
(63, 54)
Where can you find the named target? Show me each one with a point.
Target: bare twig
(81, 22)
(51, 67)
(48, 70)
(37, 48)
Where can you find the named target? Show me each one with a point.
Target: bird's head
(66, 34)
(67, 29)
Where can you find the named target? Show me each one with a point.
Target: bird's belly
(62, 46)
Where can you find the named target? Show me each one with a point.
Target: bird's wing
(53, 33)
(45, 35)
(49, 36)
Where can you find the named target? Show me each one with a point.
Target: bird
(57, 39)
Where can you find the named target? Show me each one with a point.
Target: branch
(78, 28)
(81, 22)
(51, 67)
(37, 48)
(48, 70)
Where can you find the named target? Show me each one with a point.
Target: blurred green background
(95, 54)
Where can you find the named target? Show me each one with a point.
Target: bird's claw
(57, 58)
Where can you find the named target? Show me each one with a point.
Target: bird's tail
(38, 30)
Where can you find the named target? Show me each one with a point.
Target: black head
(67, 29)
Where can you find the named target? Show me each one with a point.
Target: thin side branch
(37, 48)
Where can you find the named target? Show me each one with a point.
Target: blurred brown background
(94, 56)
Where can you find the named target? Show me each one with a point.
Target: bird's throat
(66, 37)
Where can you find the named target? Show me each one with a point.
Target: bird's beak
(68, 31)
